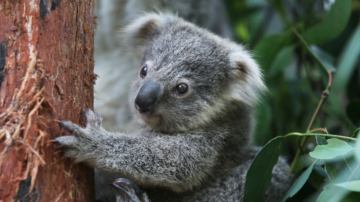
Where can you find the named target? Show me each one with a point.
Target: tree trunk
(46, 73)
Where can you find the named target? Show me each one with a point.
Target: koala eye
(181, 88)
(143, 71)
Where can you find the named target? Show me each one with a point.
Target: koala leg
(127, 191)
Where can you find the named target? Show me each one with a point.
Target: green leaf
(299, 183)
(242, 32)
(331, 169)
(334, 168)
(334, 108)
(357, 146)
(263, 112)
(356, 132)
(347, 172)
(321, 140)
(332, 193)
(266, 50)
(347, 61)
(319, 169)
(259, 175)
(325, 58)
(332, 25)
(283, 59)
(352, 186)
(333, 149)
(280, 8)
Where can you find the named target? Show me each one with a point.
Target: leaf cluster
(309, 51)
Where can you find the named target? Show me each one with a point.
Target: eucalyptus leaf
(332, 193)
(334, 149)
(283, 59)
(325, 58)
(357, 147)
(347, 61)
(321, 140)
(332, 25)
(266, 50)
(356, 132)
(259, 175)
(347, 172)
(264, 113)
(331, 169)
(352, 186)
(334, 168)
(334, 108)
(319, 169)
(299, 183)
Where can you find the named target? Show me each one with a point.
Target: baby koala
(192, 99)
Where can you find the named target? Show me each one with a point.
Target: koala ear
(247, 77)
(142, 29)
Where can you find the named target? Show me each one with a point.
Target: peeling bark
(46, 73)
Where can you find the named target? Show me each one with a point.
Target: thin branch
(324, 96)
(322, 135)
(303, 42)
(319, 130)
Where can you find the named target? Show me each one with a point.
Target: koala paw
(127, 191)
(79, 144)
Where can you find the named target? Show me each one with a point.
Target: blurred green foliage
(296, 80)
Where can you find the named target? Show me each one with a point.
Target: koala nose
(147, 97)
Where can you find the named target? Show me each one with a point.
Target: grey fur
(195, 147)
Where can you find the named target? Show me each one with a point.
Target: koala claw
(127, 191)
(80, 142)
(72, 128)
(65, 141)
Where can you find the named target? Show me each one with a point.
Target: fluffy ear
(142, 29)
(248, 82)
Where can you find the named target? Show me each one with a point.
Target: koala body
(192, 100)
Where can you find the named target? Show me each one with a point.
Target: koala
(115, 64)
(192, 100)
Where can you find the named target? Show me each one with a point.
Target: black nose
(147, 97)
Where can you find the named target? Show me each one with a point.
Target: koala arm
(178, 162)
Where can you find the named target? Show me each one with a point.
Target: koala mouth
(151, 120)
(146, 113)
(152, 116)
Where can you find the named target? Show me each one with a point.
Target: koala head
(188, 76)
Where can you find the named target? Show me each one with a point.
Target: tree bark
(46, 73)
